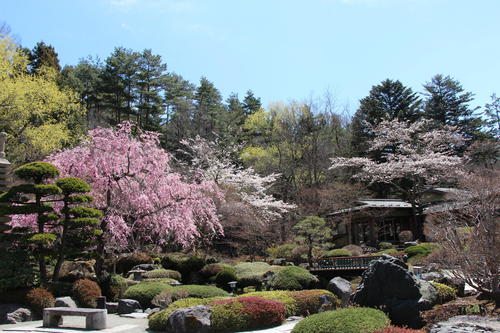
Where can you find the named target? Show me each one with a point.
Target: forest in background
(45, 107)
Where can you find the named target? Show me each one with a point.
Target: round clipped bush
(198, 291)
(445, 293)
(245, 313)
(144, 292)
(351, 320)
(308, 301)
(85, 293)
(292, 278)
(282, 296)
(162, 274)
(225, 276)
(39, 299)
(385, 245)
(37, 171)
(113, 286)
(252, 273)
(337, 253)
(126, 263)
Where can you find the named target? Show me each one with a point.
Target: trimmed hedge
(85, 293)
(39, 299)
(245, 313)
(308, 301)
(144, 292)
(338, 253)
(445, 293)
(293, 278)
(162, 273)
(282, 296)
(351, 320)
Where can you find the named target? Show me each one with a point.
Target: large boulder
(65, 302)
(463, 324)
(128, 306)
(14, 314)
(388, 284)
(195, 319)
(341, 288)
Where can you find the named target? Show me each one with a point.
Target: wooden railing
(344, 263)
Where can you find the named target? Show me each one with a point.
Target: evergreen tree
(251, 103)
(150, 78)
(492, 113)
(446, 103)
(209, 112)
(387, 101)
(43, 55)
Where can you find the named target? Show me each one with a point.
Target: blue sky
(281, 49)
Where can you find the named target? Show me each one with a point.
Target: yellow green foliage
(37, 115)
(446, 293)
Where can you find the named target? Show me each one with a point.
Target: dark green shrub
(225, 276)
(16, 270)
(39, 299)
(308, 301)
(162, 273)
(208, 272)
(282, 296)
(422, 249)
(85, 293)
(186, 266)
(284, 251)
(252, 273)
(144, 292)
(338, 253)
(113, 286)
(245, 313)
(60, 288)
(446, 293)
(126, 263)
(293, 278)
(351, 320)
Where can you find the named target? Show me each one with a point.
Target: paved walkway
(116, 323)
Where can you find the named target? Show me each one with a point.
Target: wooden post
(5, 179)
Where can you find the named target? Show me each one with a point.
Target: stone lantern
(5, 179)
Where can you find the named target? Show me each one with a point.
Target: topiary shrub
(162, 273)
(388, 251)
(308, 301)
(198, 291)
(113, 286)
(351, 320)
(446, 293)
(396, 329)
(282, 296)
(85, 293)
(39, 299)
(252, 273)
(385, 245)
(292, 278)
(245, 313)
(144, 292)
(225, 276)
(126, 263)
(337, 253)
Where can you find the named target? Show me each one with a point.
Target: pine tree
(446, 103)
(43, 55)
(209, 111)
(387, 101)
(251, 103)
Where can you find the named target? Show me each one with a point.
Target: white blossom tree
(413, 158)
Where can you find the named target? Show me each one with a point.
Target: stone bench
(95, 319)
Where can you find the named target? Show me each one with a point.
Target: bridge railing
(344, 263)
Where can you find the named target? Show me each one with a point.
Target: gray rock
(431, 276)
(464, 324)
(387, 283)
(195, 319)
(112, 307)
(65, 302)
(128, 306)
(326, 303)
(341, 288)
(17, 316)
(278, 262)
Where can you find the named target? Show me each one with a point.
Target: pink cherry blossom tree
(414, 157)
(141, 197)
